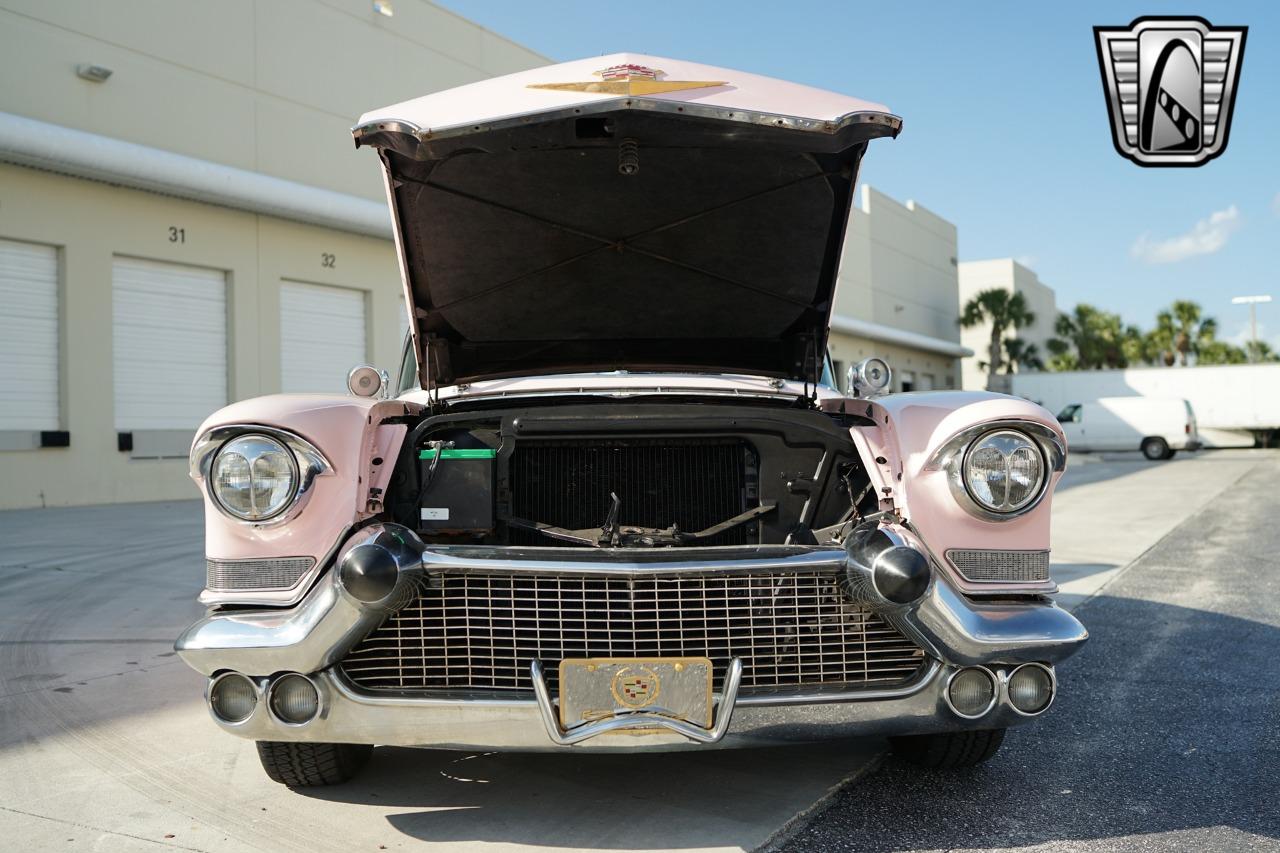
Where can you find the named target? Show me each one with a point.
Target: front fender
(351, 434)
(909, 430)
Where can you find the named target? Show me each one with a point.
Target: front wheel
(949, 750)
(308, 765)
(1155, 448)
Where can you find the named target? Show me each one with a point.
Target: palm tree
(1004, 310)
(1021, 355)
(1099, 338)
(1193, 331)
(1220, 352)
(1259, 352)
(1160, 345)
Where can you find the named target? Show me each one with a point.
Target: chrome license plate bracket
(595, 689)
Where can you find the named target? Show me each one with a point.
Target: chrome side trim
(949, 457)
(310, 461)
(618, 722)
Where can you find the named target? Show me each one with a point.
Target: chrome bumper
(318, 632)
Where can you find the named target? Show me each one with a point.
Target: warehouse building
(1004, 274)
(184, 223)
(897, 296)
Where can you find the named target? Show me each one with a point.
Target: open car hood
(624, 212)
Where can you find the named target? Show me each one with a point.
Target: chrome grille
(480, 631)
(281, 573)
(1001, 566)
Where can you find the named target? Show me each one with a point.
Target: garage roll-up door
(28, 336)
(322, 336)
(169, 337)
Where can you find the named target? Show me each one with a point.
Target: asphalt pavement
(1162, 738)
(1166, 732)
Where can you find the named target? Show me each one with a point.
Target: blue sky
(1005, 130)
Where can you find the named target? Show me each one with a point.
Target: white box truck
(1157, 426)
(1233, 403)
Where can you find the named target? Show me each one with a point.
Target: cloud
(1205, 237)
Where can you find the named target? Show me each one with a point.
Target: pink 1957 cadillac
(617, 502)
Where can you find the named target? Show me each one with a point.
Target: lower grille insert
(480, 631)
(1001, 566)
(235, 575)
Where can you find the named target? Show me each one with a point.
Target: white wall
(898, 270)
(272, 86)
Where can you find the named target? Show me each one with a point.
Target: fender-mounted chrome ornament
(1170, 86)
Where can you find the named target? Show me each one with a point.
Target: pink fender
(350, 433)
(909, 429)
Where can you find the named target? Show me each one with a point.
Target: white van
(1158, 426)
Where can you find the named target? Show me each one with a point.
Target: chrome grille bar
(480, 631)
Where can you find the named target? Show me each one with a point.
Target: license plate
(597, 688)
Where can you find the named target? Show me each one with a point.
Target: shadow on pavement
(1162, 725)
(658, 801)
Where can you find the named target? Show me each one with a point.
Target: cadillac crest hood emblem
(630, 79)
(1170, 86)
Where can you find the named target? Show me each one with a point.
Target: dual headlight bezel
(304, 460)
(954, 455)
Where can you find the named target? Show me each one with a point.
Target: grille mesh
(1001, 566)
(279, 573)
(693, 483)
(480, 631)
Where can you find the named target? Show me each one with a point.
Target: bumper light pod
(1031, 688)
(971, 692)
(294, 699)
(232, 697)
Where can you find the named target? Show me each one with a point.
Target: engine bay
(628, 474)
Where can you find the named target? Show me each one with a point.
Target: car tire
(308, 765)
(949, 750)
(1155, 448)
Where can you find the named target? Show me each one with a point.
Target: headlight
(1004, 471)
(254, 477)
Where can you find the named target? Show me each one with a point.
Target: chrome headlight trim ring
(308, 459)
(274, 446)
(951, 455)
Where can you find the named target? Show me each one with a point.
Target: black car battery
(457, 489)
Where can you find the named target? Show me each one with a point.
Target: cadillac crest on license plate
(597, 688)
